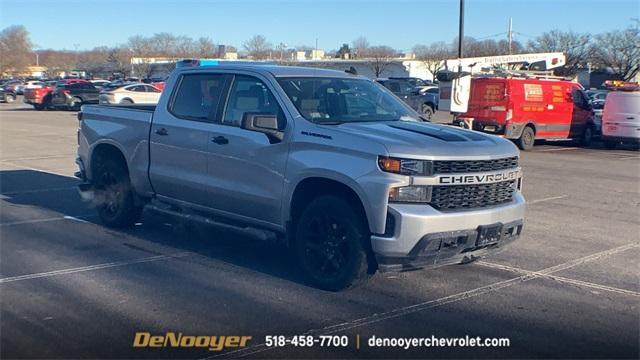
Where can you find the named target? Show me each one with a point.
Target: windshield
(337, 100)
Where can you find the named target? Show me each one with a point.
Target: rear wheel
(38, 107)
(9, 98)
(126, 102)
(527, 139)
(114, 195)
(75, 104)
(427, 111)
(330, 241)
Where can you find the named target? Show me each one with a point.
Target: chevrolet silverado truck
(348, 176)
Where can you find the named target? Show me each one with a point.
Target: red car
(526, 109)
(41, 98)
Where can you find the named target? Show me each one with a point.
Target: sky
(401, 24)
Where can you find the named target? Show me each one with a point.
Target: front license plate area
(488, 234)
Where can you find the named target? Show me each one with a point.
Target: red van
(525, 109)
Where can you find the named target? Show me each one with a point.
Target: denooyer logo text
(178, 340)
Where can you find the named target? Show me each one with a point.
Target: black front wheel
(330, 244)
(527, 139)
(114, 195)
(587, 136)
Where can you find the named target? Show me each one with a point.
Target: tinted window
(198, 96)
(249, 95)
(331, 100)
(151, 89)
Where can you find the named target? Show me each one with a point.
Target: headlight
(405, 166)
(410, 194)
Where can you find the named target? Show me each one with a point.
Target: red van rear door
(488, 100)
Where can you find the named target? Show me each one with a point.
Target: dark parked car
(72, 96)
(424, 103)
(7, 96)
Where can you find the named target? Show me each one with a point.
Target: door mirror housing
(265, 123)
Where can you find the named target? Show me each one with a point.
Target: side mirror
(265, 123)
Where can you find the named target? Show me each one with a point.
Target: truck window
(579, 99)
(198, 96)
(250, 95)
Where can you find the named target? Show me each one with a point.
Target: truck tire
(526, 139)
(114, 195)
(587, 136)
(75, 104)
(330, 244)
(427, 111)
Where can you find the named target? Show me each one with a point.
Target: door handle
(630, 118)
(220, 140)
(162, 132)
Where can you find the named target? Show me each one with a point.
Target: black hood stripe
(441, 133)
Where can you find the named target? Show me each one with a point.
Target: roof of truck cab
(277, 70)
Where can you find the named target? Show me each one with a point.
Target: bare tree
(120, 60)
(434, 55)
(378, 58)
(360, 46)
(576, 47)
(15, 49)
(205, 47)
(57, 61)
(258, 47)
(619, 50)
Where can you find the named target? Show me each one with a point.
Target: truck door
(247, 166)
(180, 138)
(581, 113)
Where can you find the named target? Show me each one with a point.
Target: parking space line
(630, 158)
(558, 149)
(391, 314)
(579, 283)
(547, 199)
(93, 267)
(38, 190)
(57, 218)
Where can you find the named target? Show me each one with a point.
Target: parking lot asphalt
(72, 288)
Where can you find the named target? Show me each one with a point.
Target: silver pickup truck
(351, 178)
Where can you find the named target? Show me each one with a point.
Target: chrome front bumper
(425, 237)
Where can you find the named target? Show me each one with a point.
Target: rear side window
(198, 96)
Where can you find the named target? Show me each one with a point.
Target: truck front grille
(472, 196)
(471, 166)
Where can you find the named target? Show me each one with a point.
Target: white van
(621, 118)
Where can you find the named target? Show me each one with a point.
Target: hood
(431, 141)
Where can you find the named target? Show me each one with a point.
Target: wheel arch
(314, 186)
(104, 151)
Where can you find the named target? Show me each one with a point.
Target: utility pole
(510, 34)
(461, 30)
